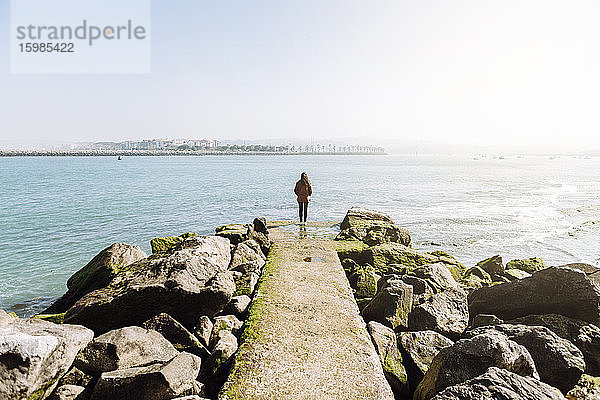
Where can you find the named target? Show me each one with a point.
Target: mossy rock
(231, 227)
(352, 249)
(364, 282)
(163, 245)
(234, 236)
(440, 253)
(514, 273)
(476, 278)
(55, 318)
(587, 388)
(529, 265)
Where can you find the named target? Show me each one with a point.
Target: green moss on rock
(529, 265)
(55, 318)
(162, 245)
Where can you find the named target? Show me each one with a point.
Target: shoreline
(129, 153)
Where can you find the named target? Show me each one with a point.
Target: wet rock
(386, 345)
(529, 265)
(174, 332)
(70, 392)
(163, 245)
(238, 305)
(584, 335)
(500, 384)
(242, 254)
(469, 358)
(446, 313)
(485, 320)
(203, 330)
(564, 291)
(391, 305)
(156, 381)
(122, 348)
(98, 273)
(419, 349)
(558, 362)
(588, 388)
(190, 281)
(492, 265)
(224, 323)
(35, 354)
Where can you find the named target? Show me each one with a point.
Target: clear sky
(522, 72)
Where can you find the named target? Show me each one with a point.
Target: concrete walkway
(304, 338)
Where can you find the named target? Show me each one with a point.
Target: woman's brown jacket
(303, 191)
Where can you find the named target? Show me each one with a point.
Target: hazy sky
(465, 72)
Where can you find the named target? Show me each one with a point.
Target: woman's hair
(304, 179)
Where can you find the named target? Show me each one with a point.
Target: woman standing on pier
(303, 190)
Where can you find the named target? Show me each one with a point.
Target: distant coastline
(126, 153)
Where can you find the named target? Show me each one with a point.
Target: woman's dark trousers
(302, 210)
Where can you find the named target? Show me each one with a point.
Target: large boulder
(558, 362)
(97, 274)
(122, 348)
(584, 335)
(558, 290)
(446, 313)
(35, 354)
(157, 381)
(371, 227)
(391, 305)
(469, 358)
(529, 265)
(419, 349)
(500, 384)
(386, 345)
(174, 332)
(189, 281)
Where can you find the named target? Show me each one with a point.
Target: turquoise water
(57, 213)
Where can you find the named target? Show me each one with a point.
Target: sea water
(56, 213)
